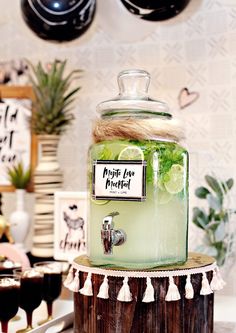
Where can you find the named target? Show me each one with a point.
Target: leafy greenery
(19, 177)
(160, 157)
(214, 221)
(54, 97)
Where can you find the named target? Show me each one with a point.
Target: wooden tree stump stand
(98, 315)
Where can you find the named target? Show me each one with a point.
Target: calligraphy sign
(17, 142)
(119, 180)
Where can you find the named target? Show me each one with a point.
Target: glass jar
(138, 181)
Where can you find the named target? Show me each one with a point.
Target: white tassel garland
(124, 294)
(103, 290)
(74, 285)
(189, 292)
(173, 292)
(217, 283)
(206, 289)
(149, 292)
(87, 289)
(69, 278)
(72, 282)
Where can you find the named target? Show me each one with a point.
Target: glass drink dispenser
(138, 181)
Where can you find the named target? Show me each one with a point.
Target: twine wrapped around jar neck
(137, 129)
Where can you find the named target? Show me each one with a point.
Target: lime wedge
(175, 177)
(100, 202)
(131, 153)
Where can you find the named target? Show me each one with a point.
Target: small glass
(9, 296)
(52, 284)
(31, 293)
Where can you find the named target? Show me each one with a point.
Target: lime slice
(131, 153)
(175, 177)
(163, 197)
(105, 153)
(99, 202)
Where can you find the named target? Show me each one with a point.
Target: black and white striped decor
(47, 180)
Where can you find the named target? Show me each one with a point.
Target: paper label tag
(119, 180)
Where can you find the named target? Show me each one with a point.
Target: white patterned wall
(196, 49)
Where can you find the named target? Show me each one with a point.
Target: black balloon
(155, 10)
(58, 20)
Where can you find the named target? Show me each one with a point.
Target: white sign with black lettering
(15, 135)
(119, 180)
(70, 227)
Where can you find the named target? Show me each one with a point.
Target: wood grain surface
(95, 315)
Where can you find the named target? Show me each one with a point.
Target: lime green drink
(138, 181)
(155, 223)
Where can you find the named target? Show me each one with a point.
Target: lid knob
(133, 83)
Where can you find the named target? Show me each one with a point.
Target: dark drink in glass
(31, 293)
(52, 283)
(52, 286)
(9, 299)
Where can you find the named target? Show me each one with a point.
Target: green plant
(215, 219)
(19, 177)
(54, 96)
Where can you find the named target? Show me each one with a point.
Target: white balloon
(120, 24)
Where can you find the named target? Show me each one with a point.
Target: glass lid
(133, 99)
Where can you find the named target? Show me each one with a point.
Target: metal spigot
(109, 236)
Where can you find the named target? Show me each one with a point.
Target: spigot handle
(108, 221)
(109, 236)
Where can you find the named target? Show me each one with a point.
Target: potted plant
(52, 116)
(216, 219)
(19, 219)
(53, 98)
(19, 177)
(53, 113)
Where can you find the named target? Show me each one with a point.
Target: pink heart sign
(187, 98)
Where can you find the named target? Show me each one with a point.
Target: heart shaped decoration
(187, 98)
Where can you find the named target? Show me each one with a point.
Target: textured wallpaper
(195, 50)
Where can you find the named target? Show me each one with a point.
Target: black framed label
(119, 180)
